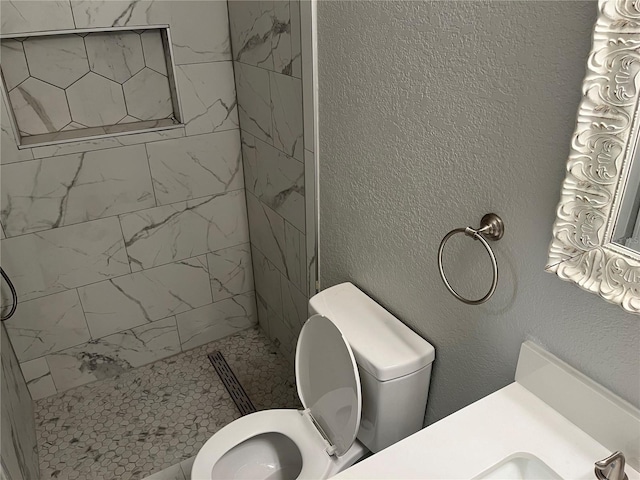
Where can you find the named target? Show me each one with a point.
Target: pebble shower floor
(153, 417)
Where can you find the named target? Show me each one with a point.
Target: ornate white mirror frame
(602, 149)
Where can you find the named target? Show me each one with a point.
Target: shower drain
(231, 383)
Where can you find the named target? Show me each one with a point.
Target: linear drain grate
(231, 383)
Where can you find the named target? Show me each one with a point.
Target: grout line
(73, 17)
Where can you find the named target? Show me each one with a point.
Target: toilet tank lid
(382, 345)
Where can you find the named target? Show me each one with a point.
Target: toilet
(363, 379)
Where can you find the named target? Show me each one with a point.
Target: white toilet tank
(394, 364)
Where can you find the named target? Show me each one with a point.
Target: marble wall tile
(105, 143)
(132, 300)
(254, 101)
(251, 28)
(275, 178)
(230, 271)
(115, 55)
(9, 152)
(282, 336)
(112, 355)
(216, 320)
(38, 377)
(294, 306)
(14, 63)
(46, 325)
(267, 281)
(267, 231)
(296, 44)
(19, 16)
(199, 30)
(263, 313)
(194, 167)
(18, 433)
(286, 105)
(208, 97)
(295, 256)
(153, 49)
(56, 260)
(39, 107)
(96, 101)
(148, 95)
(59, 60)
(53, 192)
(181, 230)
(281, 37)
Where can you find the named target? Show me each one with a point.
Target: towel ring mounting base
(491, 228)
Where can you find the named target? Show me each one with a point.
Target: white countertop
(472, 440)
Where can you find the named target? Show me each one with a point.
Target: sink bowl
(520, 466)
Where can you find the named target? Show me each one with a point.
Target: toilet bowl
(394, 366)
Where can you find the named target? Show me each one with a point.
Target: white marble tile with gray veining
(281, 335)
(19, 16)
(148, 95)
(105, 143)
(275, 178)
(254, 101)
(14, 63)
(281, 37)
(296, 44)
(55, 260)
(286, 104)
(96, 101)
(194, 167)
(38, 377)
(18, 433)
(47, 325)
(262, 311)
(39, 107)
(216, 320)
(132, 300)
(267, 232)
(295, 256)
(153, 49)
(208, 97)
(57, 59)
(294, 306)
(117, 56)
(251, 27)
(230, 271)
(53, 192)
(199, 30)
(267, 280)
(9, 152)
(114, 354)
(185, 229)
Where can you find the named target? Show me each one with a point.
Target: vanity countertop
(471, 441)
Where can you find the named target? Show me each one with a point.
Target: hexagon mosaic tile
(75, 81)
(156, 416)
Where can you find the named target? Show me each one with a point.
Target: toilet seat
(294, 425)
(287, 444)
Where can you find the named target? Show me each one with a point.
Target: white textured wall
(432, 114)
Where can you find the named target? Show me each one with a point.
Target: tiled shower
(152, 186)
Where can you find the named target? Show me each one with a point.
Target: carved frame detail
(601, 152)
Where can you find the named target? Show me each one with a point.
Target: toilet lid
(328, 381)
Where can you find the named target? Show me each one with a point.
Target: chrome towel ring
(491, 228)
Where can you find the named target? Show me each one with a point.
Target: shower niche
(83, 84)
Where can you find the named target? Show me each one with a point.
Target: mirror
(596, 234)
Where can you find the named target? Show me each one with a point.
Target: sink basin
(520, 466)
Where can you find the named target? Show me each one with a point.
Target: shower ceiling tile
(39, 107)
(148, 95)
(230, 271)
(53, 192)
(56, 260)
(59, 60)
(117, 56)
(184, 229)
(95, 101)
(139, 298)
(208, 97)
(286, 103)
(197, 166)
(47, 325)
(275, 178)
(216, 320)
(153, 49)
(115, 354)
(254, 101)
(14, 63)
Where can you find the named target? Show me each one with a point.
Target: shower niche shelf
(84, 84)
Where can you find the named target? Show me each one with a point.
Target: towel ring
(491, 228)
